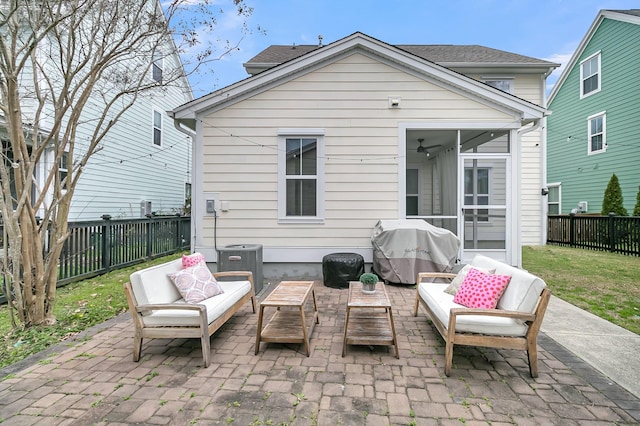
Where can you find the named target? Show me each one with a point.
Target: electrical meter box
(243, 257)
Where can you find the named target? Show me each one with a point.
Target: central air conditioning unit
(242, 257)
(145, 208)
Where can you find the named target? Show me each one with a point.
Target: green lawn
(78, 307)
(605, 284)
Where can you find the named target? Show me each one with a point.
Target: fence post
(178, 231)
(106, 242)
(149, 237)
(185, 228)
(612, 231)
(572, 229)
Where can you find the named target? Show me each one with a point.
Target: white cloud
(558, 58)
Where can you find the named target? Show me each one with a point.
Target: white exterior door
(484, 189)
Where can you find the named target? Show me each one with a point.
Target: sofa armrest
(172, 306)
(246, 275)
(241, 274)
(422, 275)
(524, 316)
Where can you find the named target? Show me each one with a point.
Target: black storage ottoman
(340, 268)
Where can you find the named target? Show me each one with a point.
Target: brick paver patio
(94, 381)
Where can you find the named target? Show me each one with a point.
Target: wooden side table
(369, 318)
(289, 323)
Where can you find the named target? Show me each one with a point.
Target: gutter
(192, 135)
(178, 126)
(525, 130)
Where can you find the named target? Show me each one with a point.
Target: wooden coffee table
(369, 318)
(288, 323)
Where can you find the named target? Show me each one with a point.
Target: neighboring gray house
(306, 155)
(143, 166)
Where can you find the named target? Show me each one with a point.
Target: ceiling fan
(425, 149)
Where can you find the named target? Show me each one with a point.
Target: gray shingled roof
(440, 54)
(447, 53)
(277, 54)
(634, 12)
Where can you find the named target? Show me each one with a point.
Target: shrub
(368, 278)
(613, 201)
(636, 209)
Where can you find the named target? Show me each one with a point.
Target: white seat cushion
(216, 306)
(522, 293)
(441, 304)
(153, 286)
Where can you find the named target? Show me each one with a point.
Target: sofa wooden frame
(528, 342)
(203, 331)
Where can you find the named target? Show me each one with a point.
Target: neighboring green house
(594, 127)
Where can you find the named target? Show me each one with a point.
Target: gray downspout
(192, 135)
(521, 132)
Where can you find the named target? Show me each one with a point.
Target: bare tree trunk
(57, 58)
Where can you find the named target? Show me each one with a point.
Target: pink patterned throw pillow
(192, 259)
(452, 288)
(196, 283)
(480, 290)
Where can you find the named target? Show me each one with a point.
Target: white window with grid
(157, 127)
(553, 199)
(300, 175)
(590, 75)
(157, 67)
(597, 131)
(476, 192)
(504, 84)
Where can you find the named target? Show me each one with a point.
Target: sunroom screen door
(484, 187)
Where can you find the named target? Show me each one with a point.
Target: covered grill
(402, 248)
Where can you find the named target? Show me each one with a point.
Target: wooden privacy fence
(618, 234)
(96, 247)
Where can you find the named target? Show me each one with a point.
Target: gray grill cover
(402, 248)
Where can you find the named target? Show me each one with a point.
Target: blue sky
(544, 29)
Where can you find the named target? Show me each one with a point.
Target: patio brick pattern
(94, 381)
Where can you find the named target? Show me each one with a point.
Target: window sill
(300, 220)
(586, 95)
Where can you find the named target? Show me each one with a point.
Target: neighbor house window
(476, 193)
(157, 128)
(506, 85)
(590, 75)
(300, 176)
(597, 133)
(63, 170)
(553, 199)
(413, 194)
(157, 66)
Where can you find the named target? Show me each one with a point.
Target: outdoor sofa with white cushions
(513, 322)
(156, 297)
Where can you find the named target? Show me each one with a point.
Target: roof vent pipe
(320, 40)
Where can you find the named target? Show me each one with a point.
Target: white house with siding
(321, 142)
(143, 166)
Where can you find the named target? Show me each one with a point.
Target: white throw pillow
(196, 283)
(452, 289)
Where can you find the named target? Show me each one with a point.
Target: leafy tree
(636, 208)
(58, 59)
(613, 201)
